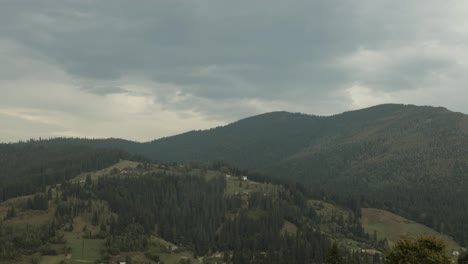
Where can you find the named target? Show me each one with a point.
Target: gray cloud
(103, 90)
(222, 60)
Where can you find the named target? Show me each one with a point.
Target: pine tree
(333, 256)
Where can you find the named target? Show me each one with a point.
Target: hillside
(411, 160)
(151, 212)
(407, 159)
(392, 227)
(113, 220)
(26, 168)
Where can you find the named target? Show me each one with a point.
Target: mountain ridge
(411, 160)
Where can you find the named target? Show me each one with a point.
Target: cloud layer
(146, 69)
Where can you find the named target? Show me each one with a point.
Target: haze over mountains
(409, 159)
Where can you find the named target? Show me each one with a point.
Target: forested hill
(262, 141)
(265, 140)
(153, 212)
(408, 159)
(412, 160)
(26, 168)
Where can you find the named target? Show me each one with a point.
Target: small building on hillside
(228, 176)
(244, 178)
(455, 253)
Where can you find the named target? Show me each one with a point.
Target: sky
(141, 69)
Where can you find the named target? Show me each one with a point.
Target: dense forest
(26, 168)
(407, 159)
(216, 217)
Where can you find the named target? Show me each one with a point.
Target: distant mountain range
(409, 159)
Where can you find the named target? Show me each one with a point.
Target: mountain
(411, 160)
(310, 177)
(266, 140)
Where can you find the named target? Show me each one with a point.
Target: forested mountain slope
(409, 159)
(156, 212)
(26, 168)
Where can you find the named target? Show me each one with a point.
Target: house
(228, 176)
(244, 178)
(455, 253)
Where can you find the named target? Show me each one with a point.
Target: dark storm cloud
(175, 40)
(223, 60)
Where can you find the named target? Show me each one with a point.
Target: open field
(394, 227)
(17, 202)
(33, 217)
(163, 248)
(235, 185)
(289, 228)
(83, 250)
(95, 175)
(388, 225)
(52, 259)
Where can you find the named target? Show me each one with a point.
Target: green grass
(235, 185)
(27, 217)
(159, 247)
(51, 259)
(289, 228)
(328, 210)
(176, 257)
(394, 227)
(17, 202)
(83, 249)
(95, 175)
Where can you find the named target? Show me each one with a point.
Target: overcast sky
(142, 69)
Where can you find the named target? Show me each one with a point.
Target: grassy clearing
(328, 210)
(176, 257)
(394, 227)
(234, 185)
(33, 217)
(52, 259)
(95, 175)
(289, 228)
(330, 214)
(83, 250)
(17, 202)
(168, 252)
